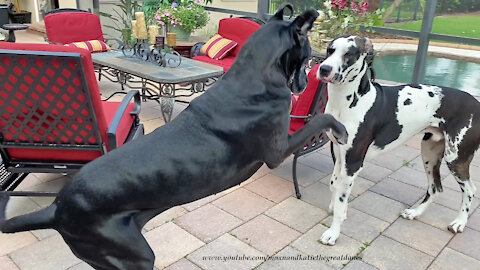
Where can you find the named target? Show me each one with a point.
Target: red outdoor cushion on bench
(68, 27)
(236, 29)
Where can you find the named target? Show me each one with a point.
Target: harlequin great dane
(380, 118)
(220, 140)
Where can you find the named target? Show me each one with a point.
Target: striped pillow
(218, 47)
(91, 45)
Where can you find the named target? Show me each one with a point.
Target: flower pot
(20, 17)
(182, 35)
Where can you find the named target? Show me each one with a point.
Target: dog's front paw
(409, 214)
(329, 237)
(457, 225)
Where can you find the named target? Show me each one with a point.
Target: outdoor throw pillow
(218, 47)
(91, 45)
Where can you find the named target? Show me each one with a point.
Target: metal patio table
(160, 83)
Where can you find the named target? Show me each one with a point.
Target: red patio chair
(312, 101)
(51, 116)
(65, 26)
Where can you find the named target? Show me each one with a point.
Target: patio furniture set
(52, 118)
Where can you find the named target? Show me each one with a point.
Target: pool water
(439, 71)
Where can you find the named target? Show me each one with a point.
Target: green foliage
(188, 14)
(122, 19)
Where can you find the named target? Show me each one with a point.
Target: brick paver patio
(262, 217)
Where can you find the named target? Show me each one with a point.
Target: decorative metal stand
(141, 50)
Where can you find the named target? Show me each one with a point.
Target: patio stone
(150, 113)
(297, 214)
(438, 216)
(293, 264)
(318, 161)
(378, 206)
(81, 266)
(20, 206)
(405, 151)
(360, 226)
(207, 222)
(359, 265)
(317, 194)
(387, 254)
(389, 161)
(309, 243)
(453, 199)
(467, 243)
(419, 235)
(475, 173)
(265, 234)
(170, 243)
(47, 177)
(243, 203)
(451, 183)
(29, 181)
(7, 264)
(201, 202)
(451, 259)
(264, 170)
(166, 216)
(222, 248)
(474, 220)
(415, 141)
(183, 264)
(44, 234)
(50, 186)
(152, 124)
(51, 253)
(373, 172)
(305, 174)
(411, 176)
(11, 242)
(398, 191)
(272, 187)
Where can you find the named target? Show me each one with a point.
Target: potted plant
(182, 17)
(122, 19)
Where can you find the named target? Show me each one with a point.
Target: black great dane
(380, 118)
(220, 140)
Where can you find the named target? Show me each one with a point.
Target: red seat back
(68, 27)
(238, 30)
(304, 103)
(49, 100)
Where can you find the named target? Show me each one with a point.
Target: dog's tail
(42, 219)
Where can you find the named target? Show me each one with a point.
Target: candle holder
(141, 49)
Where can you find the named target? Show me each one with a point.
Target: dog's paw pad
(457, 226)
(409, 214)
(329, 237)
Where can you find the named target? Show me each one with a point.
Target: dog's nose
(325, 70)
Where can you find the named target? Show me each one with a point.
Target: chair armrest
(195, 49)
(307, 118)
(112, 128)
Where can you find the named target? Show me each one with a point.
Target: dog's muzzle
(325, 73)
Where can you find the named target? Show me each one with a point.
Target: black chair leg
(99, 74)
(294, 174)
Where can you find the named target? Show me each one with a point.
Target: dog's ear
(364, 44)
(303, 23)
(279, 14)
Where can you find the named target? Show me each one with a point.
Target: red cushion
(109, 109)
(225, 63)
(238, 30)
(68, 27)
(302, 106)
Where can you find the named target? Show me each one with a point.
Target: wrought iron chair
(312, 101)
(51, 116)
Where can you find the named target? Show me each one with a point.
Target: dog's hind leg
(116, 244)
(433, 148)
(460, 171)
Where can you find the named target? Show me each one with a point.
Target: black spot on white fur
(430, 94)
(407, 102)
(349, 97)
